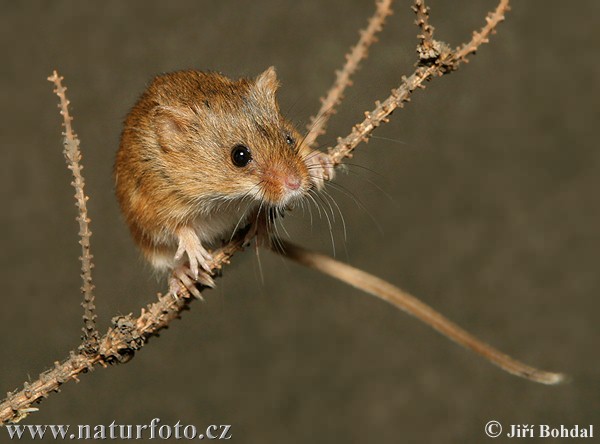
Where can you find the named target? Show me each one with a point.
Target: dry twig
(426, 46)
(318, 123)
(444, 62)
(482, 36)
(73, 158)
(126, 335)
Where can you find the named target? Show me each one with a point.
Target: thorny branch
(444, 62)
(128, 334)
(483, 36)
(73, 158)
(426, 47)
(318, 123)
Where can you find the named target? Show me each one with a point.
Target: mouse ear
(267, 82)
(171, 125)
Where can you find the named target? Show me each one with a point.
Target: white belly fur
(211, 229)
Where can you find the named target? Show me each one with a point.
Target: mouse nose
(292, 182)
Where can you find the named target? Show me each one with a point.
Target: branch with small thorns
(73, 158)
(318, 123)
(443, 62)
(129, 334)
(426, 48)
(118, 345)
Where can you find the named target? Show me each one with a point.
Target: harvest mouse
(200, 155)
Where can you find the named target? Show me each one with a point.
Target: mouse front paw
(320, 168)
(198, 257)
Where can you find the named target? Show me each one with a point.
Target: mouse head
(227, 140)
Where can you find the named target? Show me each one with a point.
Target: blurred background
(480, 197)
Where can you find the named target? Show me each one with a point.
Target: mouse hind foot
(183, 278)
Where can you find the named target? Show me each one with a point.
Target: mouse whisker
(305, 200)
(325, 193)
(309, 195)
(387, 139)
(328, 223)
(367, 179)
(359, 203)
(260, 268)
(326, 204)
(284, 229)
(301, 205)
(241, 219)
(274, 222)
(275, 239)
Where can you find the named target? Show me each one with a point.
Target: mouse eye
(240, 156)
(290, 140)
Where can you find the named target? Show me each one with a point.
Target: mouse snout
(281, 185)
(292, 182)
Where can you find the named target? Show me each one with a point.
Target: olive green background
(480, 197)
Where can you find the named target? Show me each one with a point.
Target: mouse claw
(320, 168)
(179, 279)
(206, 279)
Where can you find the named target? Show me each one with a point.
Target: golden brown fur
(174, 170)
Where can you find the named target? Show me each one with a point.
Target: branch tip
(437, 61)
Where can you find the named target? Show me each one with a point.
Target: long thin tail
(413, 306)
